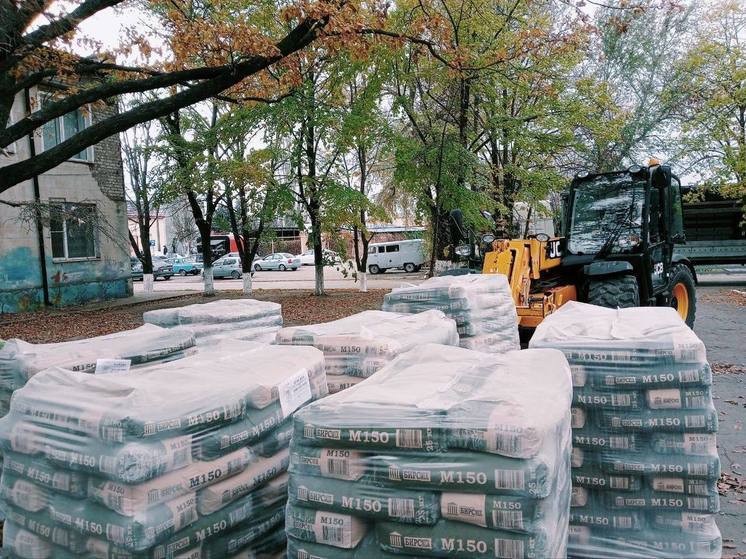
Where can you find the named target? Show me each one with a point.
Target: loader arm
(529, 265)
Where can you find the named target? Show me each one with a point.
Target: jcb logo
(554, 249)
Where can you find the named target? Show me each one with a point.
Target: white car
(330, 257)
(407, 255)
(277, 261)
(227, 267)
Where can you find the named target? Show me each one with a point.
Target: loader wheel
(683, 293)
(615, 293)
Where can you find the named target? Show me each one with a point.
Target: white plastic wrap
(481, 305)
(441, 453)
(215, 312)
(645, 462)
(239, 319)
(20, 360)
(357, 346)
(179, 459)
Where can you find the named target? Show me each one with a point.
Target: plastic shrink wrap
(444, 452)
(481, 305)
(20, 360)
(241, 319)
(357, 346)
(645, 462)
(181, 459)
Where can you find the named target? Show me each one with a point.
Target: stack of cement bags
(481, 305)
(644, 445)
(180, 460)
(20, 360)
(241, 319)
(357, 346)
(441, 453)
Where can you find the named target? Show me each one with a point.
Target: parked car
(136, 266)
(161, 268)
(406, 255)
(330, 257)
(227, 267)
(277, 261)
(187, 266)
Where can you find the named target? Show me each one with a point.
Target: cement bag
(132, 462)
(44, 474)
(214, 497)
(373, 333)
(655, 543)
(644, 457)
(642, 336)
(501, 512)
(20, 360)
(651, 376)
(337, 383)
(365, 499)
(436, 397)
(167, 401)
(456, 539)
(247, 511)
(216, 312)
(268, 523)
(261, 334)
(367, 549)
(41, 525)
(481, 305)
(466, 471)
(332, 463)
(137, 532)
(245, 329)
(24, 544)
(127, 499)
(328, 528)
(272, 545)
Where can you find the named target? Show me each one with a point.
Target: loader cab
(620, 229)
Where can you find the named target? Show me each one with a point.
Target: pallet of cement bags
(481, 305)
(174, 460)
(20, 360)
(357, 346)
(242, 319)
(645, 461)
(444, 452)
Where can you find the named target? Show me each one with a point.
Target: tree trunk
(318, 252)
(147, 282)
(209, 284)
(434, 252)
(247, 283)
(528, 221)
(209, 281)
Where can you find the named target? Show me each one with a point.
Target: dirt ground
(298, 307)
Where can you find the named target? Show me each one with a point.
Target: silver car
(227, 267)
(277, 261)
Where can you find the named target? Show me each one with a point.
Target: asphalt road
(721, 323)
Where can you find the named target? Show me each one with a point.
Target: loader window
(605, 207)
(655, 216)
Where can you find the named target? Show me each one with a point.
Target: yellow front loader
(619, 232)
(529, 264)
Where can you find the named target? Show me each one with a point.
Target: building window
(65, 127)
(73, 232)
